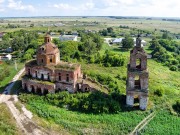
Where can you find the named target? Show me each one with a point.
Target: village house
(5, 57)
(68, 38)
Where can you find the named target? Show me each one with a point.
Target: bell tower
(137, 76)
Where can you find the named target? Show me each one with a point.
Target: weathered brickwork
(47, 74)
(137, 76)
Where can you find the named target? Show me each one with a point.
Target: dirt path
(27, 126)
(142, 124)
(23, 116)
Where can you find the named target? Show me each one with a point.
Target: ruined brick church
(47, 74)
(137, 77)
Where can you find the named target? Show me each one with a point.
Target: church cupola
(47, 39)
(48, 53)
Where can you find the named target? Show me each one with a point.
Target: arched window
(29, 72)
(36, 74)
(48, 76)
(59, 76)
(67, 77)
(50, 60)
(137, 82)
(138, 63)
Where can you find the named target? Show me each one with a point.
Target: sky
(151, 8)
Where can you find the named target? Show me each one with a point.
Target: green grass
(13, 72)
(7, 122)
(80, 123)
(162, 124)
(123, 122)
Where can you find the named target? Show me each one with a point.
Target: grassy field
(166, 121)
(13, 72)
(7, 122)
(74, 122)
(104, 22)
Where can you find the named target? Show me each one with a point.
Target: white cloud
(169, 8)
(1, 6)
(93, 7)
(18, 5)
(1, 1)
(65, 6)
(87, 6)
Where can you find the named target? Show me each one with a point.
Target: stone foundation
(143, 103)
(130, 100)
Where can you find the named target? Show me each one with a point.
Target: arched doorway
(29, 72)
(38, 91)
(25, 86)
(45, 92)
(32, 89)
(42, 77)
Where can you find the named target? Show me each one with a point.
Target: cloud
(18, 5)
(1, 6)
(65, 6)
(91, 7)
(1, 1)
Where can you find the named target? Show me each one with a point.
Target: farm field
(73, 23)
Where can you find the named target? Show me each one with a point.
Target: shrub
(176, 106)
(159, 91)
(173, 68)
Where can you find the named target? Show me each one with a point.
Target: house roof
(118, 40)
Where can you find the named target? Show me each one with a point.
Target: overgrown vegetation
(7, 124)
(96, 102)
(162, 124)
(166, 52)
(83, 123)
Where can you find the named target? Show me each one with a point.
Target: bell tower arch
(137, 76)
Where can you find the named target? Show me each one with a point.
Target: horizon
(123, 17)
(140, 8)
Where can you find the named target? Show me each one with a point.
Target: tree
(153, 44)
(104, 32)
(110, 29)
(32, 25)
(127, 42)
(90, 47)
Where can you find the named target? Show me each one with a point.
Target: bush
(159, 91)
(173, 68)
(176, 106)
(96, 102)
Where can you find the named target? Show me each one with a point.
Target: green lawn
(13, 72)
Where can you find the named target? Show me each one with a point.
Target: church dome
(48, 53)
(48, 47)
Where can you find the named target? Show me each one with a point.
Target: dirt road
(22, 116)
